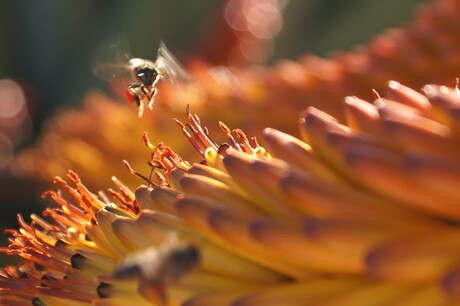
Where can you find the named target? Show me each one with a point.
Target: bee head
(147, 75)
(183, 259)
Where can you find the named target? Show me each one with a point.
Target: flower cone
(339, 216)
(105, 132)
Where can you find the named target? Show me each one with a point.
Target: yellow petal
(315, 126)
(105, 221)
(408, 96)
(238, 234)
(219, 192)
(297, 153)
(418, 134)
(370, 294)
(214, 257)
(228, 232)
(441, 174)
(215, 299)
(426, 295)
(212, 173)
(305, 252)
(420, 258)
(93, 264)
(120, 293)
(131, 235)
(386, 173)
(299, 294)
(364, 116)
(260, 178)
(162, 199)
(323, 199)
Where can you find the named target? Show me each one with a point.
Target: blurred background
(46, 49)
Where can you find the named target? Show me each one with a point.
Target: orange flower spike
(25, 229)
(43, 224)
(230, 137)
(51, 263)
(73, 296)
(53, 251)
(66, 220)
(63, 183)
(166, 163)
(196, 138)
(157, 152)
(190, 139)
(245, 145)
(160, 178)
(85, 205)
(85, 193)
(68, 208)
(123, 187)
(128, 205)
(175, 159)
(44, 236)
(90, 209)
(33, 236)
(147, 142)
(133, 172)
(196, 125)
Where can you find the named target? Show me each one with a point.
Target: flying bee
(113, 60)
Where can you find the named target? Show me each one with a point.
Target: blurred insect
(158, 266)
(113, 60)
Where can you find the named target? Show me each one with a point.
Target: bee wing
(111, 59)
(169, 66)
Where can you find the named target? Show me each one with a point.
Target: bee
(156, 267)
(159, 265)
(113, 60)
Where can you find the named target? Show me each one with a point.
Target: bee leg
(159, 77)
(137, 98)
(140, 110)
(149, 93)
(137, 91)
(152, 99)
(152, 292)
(153, 92)
(133, 90)
(134, 87)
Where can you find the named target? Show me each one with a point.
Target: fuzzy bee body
(113, 60)
(159, 265)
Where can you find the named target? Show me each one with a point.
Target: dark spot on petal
(103, 290)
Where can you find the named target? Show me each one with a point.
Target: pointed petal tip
(430, 90)
(268, 131)
(393, 84)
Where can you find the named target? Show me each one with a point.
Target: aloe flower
(356, 204)
(105, 132)
(360, 212)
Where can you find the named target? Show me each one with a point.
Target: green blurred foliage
(322, 26)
